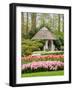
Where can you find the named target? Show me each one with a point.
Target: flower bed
(43, 58)
(42, 66)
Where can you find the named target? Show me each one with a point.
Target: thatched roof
(44, 33)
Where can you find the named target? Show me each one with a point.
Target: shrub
(60, 39)
(28, 46)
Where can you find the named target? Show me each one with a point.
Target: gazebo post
(46, 45)
(52, 45)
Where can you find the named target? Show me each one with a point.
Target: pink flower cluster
(43, 65)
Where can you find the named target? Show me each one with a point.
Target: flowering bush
(31, 58)
(42, 66)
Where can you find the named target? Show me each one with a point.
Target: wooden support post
(52, 46)
(46, 45)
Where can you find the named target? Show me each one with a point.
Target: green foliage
(60, 39)
(32, 33)
(28, 46)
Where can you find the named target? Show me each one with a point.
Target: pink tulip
(48, 65)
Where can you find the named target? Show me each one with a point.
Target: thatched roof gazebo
(45, 34)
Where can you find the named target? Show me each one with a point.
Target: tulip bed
(42, 66)
(31, 58)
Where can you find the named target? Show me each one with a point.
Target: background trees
(32, 22)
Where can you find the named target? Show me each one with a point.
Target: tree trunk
(33, 22)
(22, 22)
(63, 22)
(58, 22)
(27, 24)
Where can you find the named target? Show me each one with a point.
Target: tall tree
(58, 22)
(33, 21)
(62, 21)
(27, 24)
(22, 23)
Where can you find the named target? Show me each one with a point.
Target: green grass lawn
(48, 73)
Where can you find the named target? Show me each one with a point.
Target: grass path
(48, 73)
